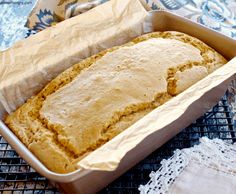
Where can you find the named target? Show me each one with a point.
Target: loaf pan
(90, 181)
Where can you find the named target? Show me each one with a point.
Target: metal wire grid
(18, 177)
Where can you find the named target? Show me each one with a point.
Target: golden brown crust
(40, 137)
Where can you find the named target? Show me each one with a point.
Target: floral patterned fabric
(46, 13)
(15, 25)
(216, 14)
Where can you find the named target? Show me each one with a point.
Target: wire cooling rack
(16, 176)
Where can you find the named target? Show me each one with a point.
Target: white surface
(13, 17)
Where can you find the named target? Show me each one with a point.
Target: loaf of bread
(98, 98)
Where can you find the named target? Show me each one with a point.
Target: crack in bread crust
(27, 124)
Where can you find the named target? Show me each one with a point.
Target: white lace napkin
(209, 167)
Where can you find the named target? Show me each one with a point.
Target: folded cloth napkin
(209, 167)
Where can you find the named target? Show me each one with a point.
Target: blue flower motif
(154, 6)
(215, 15)
(174, 4)
(214, 10)
(45, 19)
(30, 32)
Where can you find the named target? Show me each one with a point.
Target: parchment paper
(30, 64)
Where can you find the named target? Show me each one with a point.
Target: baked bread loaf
(101, 96)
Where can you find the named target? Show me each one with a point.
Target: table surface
(16, 176)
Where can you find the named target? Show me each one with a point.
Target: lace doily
(214, 154)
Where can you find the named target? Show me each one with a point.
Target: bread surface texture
(98, 98)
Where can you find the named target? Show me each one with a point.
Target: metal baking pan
(87, 181)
